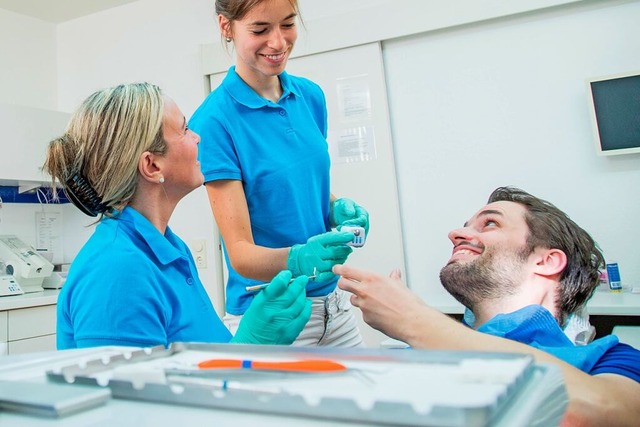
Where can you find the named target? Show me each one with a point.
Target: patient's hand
(396, 274)
(386, 303)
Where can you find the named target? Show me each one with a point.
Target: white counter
(607, 303)
(33, 299)
(604, 303)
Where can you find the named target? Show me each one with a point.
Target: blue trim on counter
(10, 194)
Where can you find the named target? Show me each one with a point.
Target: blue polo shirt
(130, 285)
(279, 152)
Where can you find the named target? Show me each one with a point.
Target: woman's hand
(277, 314)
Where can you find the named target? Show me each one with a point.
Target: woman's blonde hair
(103, 143)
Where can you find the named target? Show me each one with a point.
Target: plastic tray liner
(379, 386)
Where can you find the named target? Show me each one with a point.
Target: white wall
(149, 40)
(28, 76)
(505, 103)
(28, 69)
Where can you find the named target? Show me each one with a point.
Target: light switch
(199, 250)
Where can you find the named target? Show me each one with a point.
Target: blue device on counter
(613, 273)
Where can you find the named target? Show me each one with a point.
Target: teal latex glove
(347, 212)
(277, 314)
(320, 254)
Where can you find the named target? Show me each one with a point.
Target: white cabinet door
(31, 322)
(3, 326)
(3, 332)
(26, 133)
(30, 345)
(29, 329)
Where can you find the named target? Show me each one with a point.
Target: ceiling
(57, 11)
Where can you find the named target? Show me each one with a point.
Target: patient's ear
(550, 262)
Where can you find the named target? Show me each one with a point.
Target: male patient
(522, 267)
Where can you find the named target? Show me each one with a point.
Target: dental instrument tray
(372, 386)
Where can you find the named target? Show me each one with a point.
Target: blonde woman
(129, 158)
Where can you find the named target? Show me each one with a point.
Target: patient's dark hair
(551, 228)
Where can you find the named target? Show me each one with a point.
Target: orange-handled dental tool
(310, 365)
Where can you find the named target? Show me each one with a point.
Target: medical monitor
(615, 111)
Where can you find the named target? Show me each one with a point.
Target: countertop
(608, 303)
(32, 299)
(603, 302)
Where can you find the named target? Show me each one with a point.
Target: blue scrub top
(130, 285)
(279, 152)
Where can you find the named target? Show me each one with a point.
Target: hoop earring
(161, 180)
(228, 39)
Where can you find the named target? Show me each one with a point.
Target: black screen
(617, 107)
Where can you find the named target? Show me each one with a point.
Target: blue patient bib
(534, 325)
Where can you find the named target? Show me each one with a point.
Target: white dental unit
(24, 264)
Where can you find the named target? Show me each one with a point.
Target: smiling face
(181, 171)
(263, 39)
(489, 254)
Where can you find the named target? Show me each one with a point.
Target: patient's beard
(492, 275)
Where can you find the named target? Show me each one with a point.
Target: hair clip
(83, 196)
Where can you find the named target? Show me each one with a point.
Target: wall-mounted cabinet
(26, 132)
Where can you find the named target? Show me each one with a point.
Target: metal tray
(398, 387)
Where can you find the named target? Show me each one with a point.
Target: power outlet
(199, 250)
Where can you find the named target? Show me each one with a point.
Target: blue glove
(320, 254)
(277, 314)
(347, 212)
